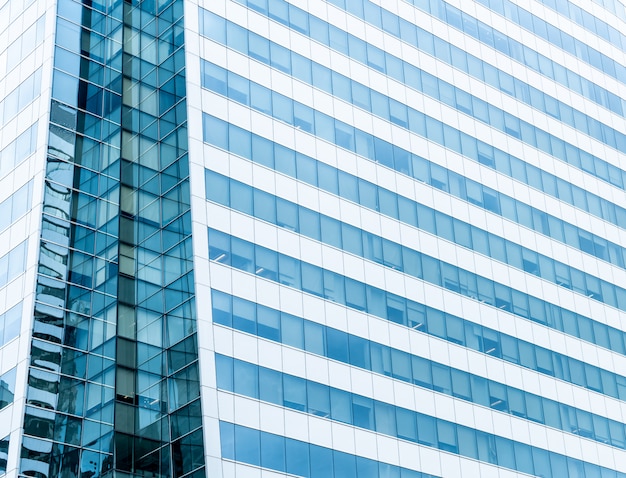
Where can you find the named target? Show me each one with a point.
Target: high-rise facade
(350, 238)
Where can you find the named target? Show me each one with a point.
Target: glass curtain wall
(113, 380)
(68, 424)
(158, 419)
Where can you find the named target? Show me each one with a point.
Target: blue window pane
(337, 343)
(297, 454)
(246, 379)
(217, 188)
(292, 331)
(318, 399)
(426, 430)
(344, 464)
(406, 424)
(240, 198)
(213, 25)
(270, 386)
(247, 445)
(264, 206)
(237, 37)
(321, 462)
(359, 352)
(363, 412)
(366, 468)
(224, 367)
(268, 323)
(294, 393)
(273, 452)
(385, 417)
(261, 99)
(315, 341)
(467, 442)
(215, 132)
(289, 272)
(263, 151)
(309, 223)
(227, 440)
(341, 406)
(244, 316)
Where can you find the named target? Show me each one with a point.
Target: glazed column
(158, 419)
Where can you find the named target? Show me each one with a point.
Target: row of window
(386, 202)
(15, 206)
(259, 48)
(316, 399)
(371, 196)
(583, 18)
(482, 111)
(302, 22)
(298, 458)
(548, 32)
(10, 322)
(254, 259)
(375, 149)
(350, 349)
(402, 115)
(518, 51)
(277, 211)
(20, 97)
(89, 181)
(18, 150)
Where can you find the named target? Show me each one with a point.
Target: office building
(350, 238)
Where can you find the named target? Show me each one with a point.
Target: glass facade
(320, 238)
(68, 419)
(157, 380)
(410, 233)
(113, 357)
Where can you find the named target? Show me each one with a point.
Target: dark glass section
(157, 419)
(363, 412)
(113, 355)
(295, 457)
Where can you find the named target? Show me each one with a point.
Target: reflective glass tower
(317, 238)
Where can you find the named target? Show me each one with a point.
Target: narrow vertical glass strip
(157, 367)
(114, 300)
